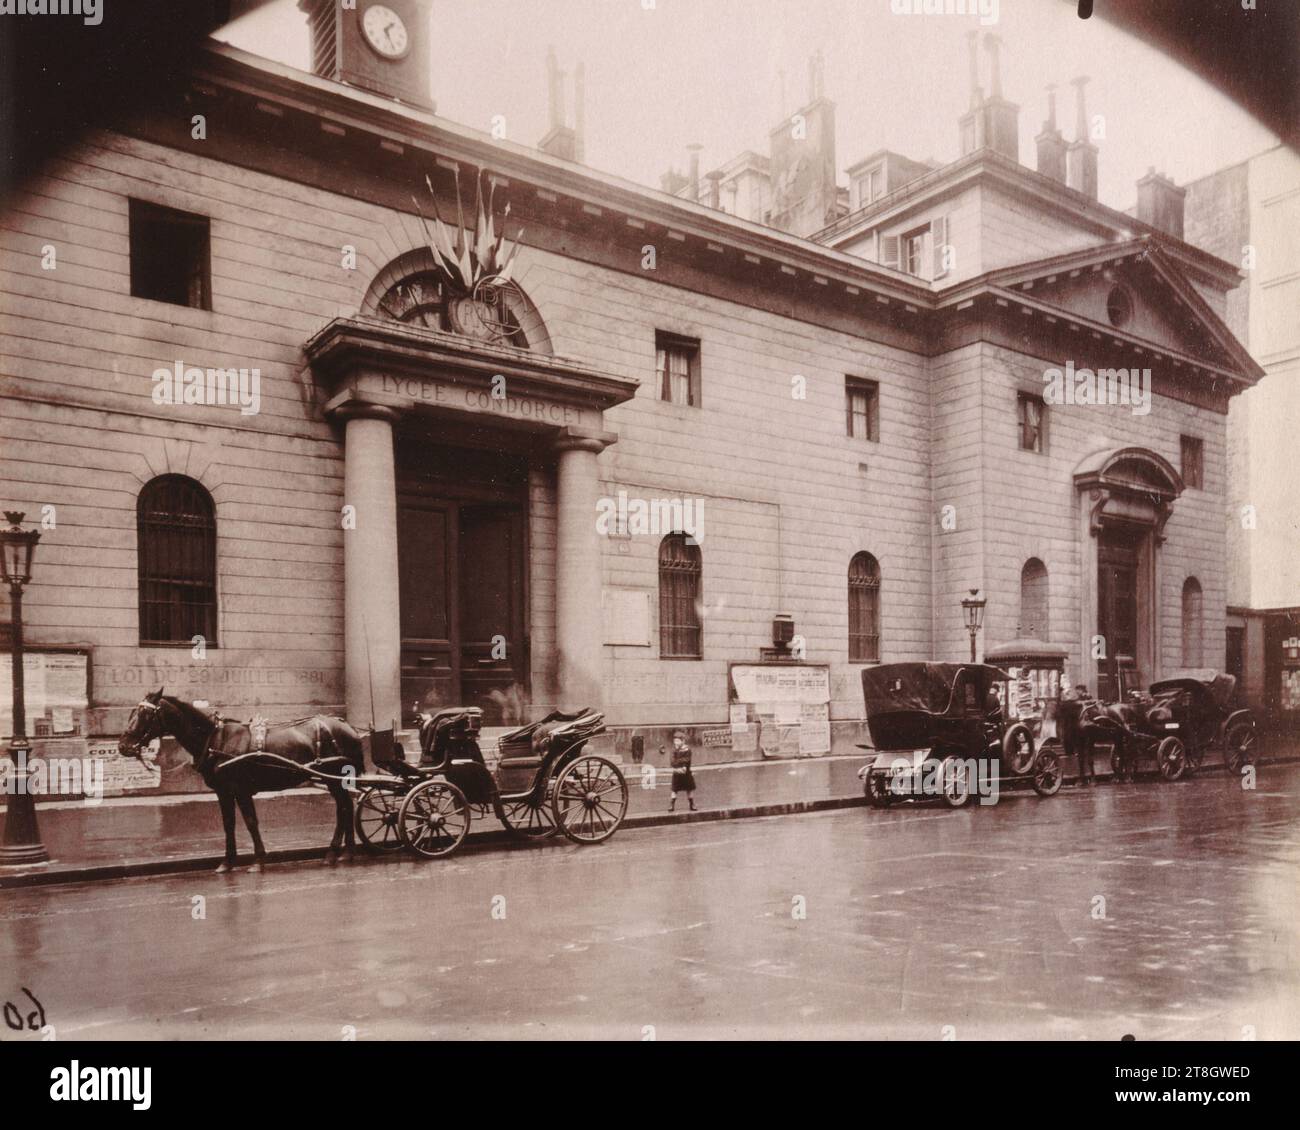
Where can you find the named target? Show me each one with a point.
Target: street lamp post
(21, 845)
(973, 609)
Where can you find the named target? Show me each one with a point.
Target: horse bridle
(138, 743)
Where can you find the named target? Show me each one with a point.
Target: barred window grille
(177, 541)
(680, 570)
(864, 609)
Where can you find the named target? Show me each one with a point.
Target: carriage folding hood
(913, 707)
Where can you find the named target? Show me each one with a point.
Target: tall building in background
(1249, 213)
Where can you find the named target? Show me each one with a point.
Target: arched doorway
(1126, 496)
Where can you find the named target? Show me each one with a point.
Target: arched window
(680, 570)
(1193, 624)
(1034, 605)
(864, 609)
(176, 529)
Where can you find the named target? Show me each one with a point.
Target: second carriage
(546, 782)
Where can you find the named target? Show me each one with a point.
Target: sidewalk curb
(484, 840)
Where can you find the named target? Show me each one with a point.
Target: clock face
(384, 31)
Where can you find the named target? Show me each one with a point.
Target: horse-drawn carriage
(1174, 723)
(544, 783)
(931, 722)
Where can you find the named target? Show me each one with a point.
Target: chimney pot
(976, 95)
(694, 151)
(1160, 203)
(715, 190)
(1081, 156)
(991, 45)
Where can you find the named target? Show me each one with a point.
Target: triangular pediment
(1138, 294)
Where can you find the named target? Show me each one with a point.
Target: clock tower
(381, 47)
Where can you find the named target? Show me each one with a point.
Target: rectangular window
(862, 408)
(1033, 423)
(169, 255)
(1193, 463)
(913, 249)
(677, 369)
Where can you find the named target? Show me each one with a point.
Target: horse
(326, 743)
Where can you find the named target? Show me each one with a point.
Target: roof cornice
(342, 105)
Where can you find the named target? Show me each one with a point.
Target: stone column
(580, 652)
(372, 629)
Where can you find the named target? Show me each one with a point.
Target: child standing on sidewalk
(683, 778)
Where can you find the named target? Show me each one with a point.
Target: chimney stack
(694, 174)
(1001, 118)
(580, 113)
(991, 45)
(1051, 143)
(972, 49)
(715, 190)
(1160, 203)
(1081, 156)
(561, 140)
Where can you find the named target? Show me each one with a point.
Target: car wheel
(1047, 773)
(1171, 756)
(1239, 747)
(956, 786)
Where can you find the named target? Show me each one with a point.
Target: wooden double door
(463, 597)
(1123, 604)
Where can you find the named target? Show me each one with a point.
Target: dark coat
(683, 778)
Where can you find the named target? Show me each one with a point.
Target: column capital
(583, 439)
(362, 410)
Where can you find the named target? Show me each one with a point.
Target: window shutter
(938, 244)
(889, 251)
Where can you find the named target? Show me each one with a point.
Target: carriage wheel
(528, 820)
(1239, 747)
(1171, 756)
(590, 799)
(1047, 773)
(956, 788)
(377, 819)
(434, 818)
(1018, 749)
(876, 789)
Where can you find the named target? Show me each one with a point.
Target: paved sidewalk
(154, 835)
(158, 835)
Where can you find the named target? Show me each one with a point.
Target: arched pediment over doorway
(1129, 484)
(413, 290)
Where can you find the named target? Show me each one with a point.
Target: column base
(23, 855)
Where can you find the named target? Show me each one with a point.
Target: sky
(708, 72)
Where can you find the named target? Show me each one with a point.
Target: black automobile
(929, 722)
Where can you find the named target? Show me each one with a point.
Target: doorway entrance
(461, 529)
(1123, 605)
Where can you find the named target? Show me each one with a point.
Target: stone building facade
(412, 511)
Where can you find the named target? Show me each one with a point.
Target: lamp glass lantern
(16, 548)
(973, 610)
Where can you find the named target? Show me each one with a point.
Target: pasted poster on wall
(56, 692)
(788, 705)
